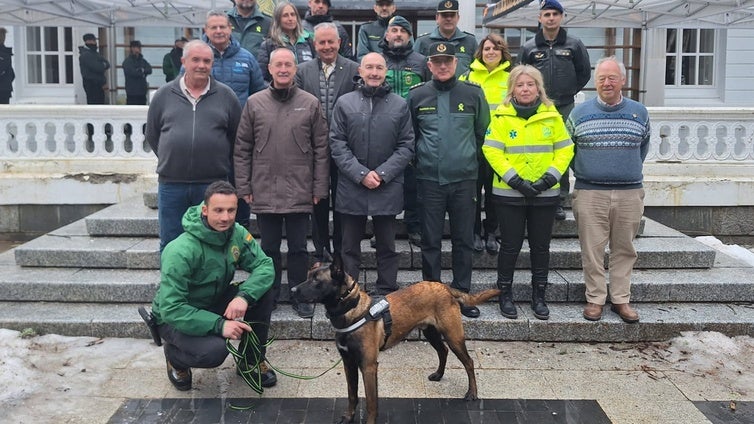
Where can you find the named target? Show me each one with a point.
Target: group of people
(328, 131)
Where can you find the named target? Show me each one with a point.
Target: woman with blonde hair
(286, 31)
(528, 149)
(490, 67)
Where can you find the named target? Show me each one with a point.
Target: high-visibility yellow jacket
(494, 84)
(526, 147)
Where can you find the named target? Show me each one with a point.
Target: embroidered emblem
(236, 252)
(513, 134)
(462, 49)
(460, 107)
(441, 48)
(546, 132)
(259, 28)
(448, 4)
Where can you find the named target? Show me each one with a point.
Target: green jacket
(197, 269)
(450, 119)
(526, 147)
(464, 42)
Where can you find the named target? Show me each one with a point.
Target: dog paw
(470, 396)
(435, 376)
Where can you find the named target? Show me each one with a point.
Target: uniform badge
(236, 252)
(448, 4)
(259, 28)
(513, 134)
(462, 49)
(441, 48)
(546, 132)
(460, 107)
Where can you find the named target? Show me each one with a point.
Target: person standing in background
(490, 67)
(93, 67)
(286, 31)
(171, 62)
(6, 70)
(136, 69)
(319, 12)
(371, 33)
(564, 63)
(249, 24)
(447, 31)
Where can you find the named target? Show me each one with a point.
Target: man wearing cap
(447, 31)
(371, 33)
(319, 11)
(93, 67)
(406, 68)
(450, 120)
(250, 26)
(171, 62)
(564, 63)
(136, 69)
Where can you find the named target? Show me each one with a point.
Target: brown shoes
(626, 313)
(593, 311)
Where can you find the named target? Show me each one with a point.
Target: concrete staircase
(88, 278)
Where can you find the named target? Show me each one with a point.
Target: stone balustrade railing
(698, 156)
(116, 132)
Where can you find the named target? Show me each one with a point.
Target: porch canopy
(630, 13)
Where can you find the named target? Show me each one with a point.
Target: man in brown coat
(282, 166)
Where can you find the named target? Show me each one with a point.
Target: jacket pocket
(262, 139)
(302, 142)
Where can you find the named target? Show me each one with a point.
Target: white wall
(739, 68)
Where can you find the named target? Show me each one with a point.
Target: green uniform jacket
(464, 42)
(527, 147)
(450, 119)
(198, 267)
(250, 33)
(494, 84)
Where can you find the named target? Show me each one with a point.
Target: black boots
(507, 308)
(538, 300)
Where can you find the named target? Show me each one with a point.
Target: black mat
(328, 410)
(727, 412)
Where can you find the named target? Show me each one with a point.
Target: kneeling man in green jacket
(197, 305)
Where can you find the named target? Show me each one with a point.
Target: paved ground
(54, 379)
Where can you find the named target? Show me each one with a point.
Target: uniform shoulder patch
(426, 34)
(249, 238)
(417, 85)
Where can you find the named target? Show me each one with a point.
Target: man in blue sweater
(611, 134)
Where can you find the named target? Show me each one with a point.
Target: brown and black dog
(432, 307)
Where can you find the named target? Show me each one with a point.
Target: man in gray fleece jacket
(191, 127)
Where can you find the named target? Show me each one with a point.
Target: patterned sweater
(611, 144)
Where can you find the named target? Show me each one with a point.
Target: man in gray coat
(372, 141)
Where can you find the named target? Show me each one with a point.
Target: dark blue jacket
(237, 68)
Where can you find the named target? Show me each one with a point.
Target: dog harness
(380, 309)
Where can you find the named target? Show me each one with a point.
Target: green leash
(250, 373)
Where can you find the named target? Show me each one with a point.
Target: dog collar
(379, 309)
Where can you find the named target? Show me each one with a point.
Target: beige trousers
(608, 218)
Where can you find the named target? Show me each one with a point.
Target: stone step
(87, 285)
(72, 246)
(131, 219)
(659, 321)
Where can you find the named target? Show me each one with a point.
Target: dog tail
(469, 299)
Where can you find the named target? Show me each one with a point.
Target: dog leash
(251, 377)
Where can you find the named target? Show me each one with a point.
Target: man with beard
(249, 25)
(93, 67)
(372, 141)
(282, 166)
(406, 68)
(171, 62)
(371, 33)
(319, 12)
(327, 78)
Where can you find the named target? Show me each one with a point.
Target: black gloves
(523, 186)
(544, 182)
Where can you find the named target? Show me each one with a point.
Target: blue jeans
(458, 200)
(173, 200)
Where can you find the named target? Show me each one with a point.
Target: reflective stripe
(509, 192)
(544, 148)
(494, 144)
(494, 106)
(561, 144)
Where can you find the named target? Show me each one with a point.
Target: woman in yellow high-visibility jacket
(492, 61)
(528, 147)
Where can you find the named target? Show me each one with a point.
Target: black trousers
(184, 351)
(136, 100)
(321, 220)
(5, 97)
(537, 221)
(95, 95)
(565, 182)
(484, 179)
(387, 259)
(271, 229)
(411, 207)
(457, 199)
